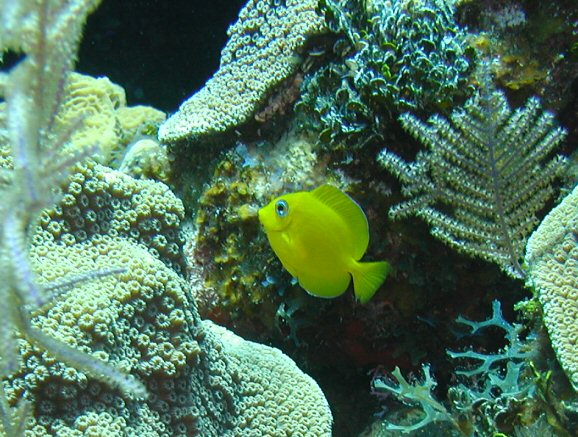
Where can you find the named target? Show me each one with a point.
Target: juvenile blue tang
(320, 236)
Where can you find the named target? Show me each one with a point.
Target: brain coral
(552, 256)
(201, 380)
(261, 52)
(105, 120)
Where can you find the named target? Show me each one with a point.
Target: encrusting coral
(126, 135)
(552, 259)
(100, 201)
(94, 101)
(262, 51)
(199, 378)
(243, 280)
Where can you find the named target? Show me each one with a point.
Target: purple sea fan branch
(24, 282)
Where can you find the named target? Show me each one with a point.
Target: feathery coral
(393, 56)
(486, 174)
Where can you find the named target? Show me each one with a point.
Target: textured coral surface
(200, 379)
(98, 111)
(262, 51)
(552, 255)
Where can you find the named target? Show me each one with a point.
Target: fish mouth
(267, 224)
(261, 216)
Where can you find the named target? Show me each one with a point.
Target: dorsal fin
(350, 212)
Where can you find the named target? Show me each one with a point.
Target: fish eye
(281, 208)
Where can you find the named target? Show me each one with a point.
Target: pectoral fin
(321, 286)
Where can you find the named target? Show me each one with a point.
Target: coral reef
(103, 296)
(274, 396)
(420, 393)
(391, 56)
(263, 50)
(93, 102)
(378, 66)
(98, 200)
(530, 44)
(485, 176)
(146, 159)
(135, 121)
(552, 260)
(198, 377)
(94, 112)
(100, 335)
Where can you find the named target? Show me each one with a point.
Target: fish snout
(267, 219)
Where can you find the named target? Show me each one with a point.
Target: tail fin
(367, 277)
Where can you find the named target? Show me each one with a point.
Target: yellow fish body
(320, 236)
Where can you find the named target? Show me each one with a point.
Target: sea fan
(485, 175)
(46, 34)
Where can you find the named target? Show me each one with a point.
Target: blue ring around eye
(281, 208)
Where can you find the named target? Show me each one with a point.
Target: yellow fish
(320, 236)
